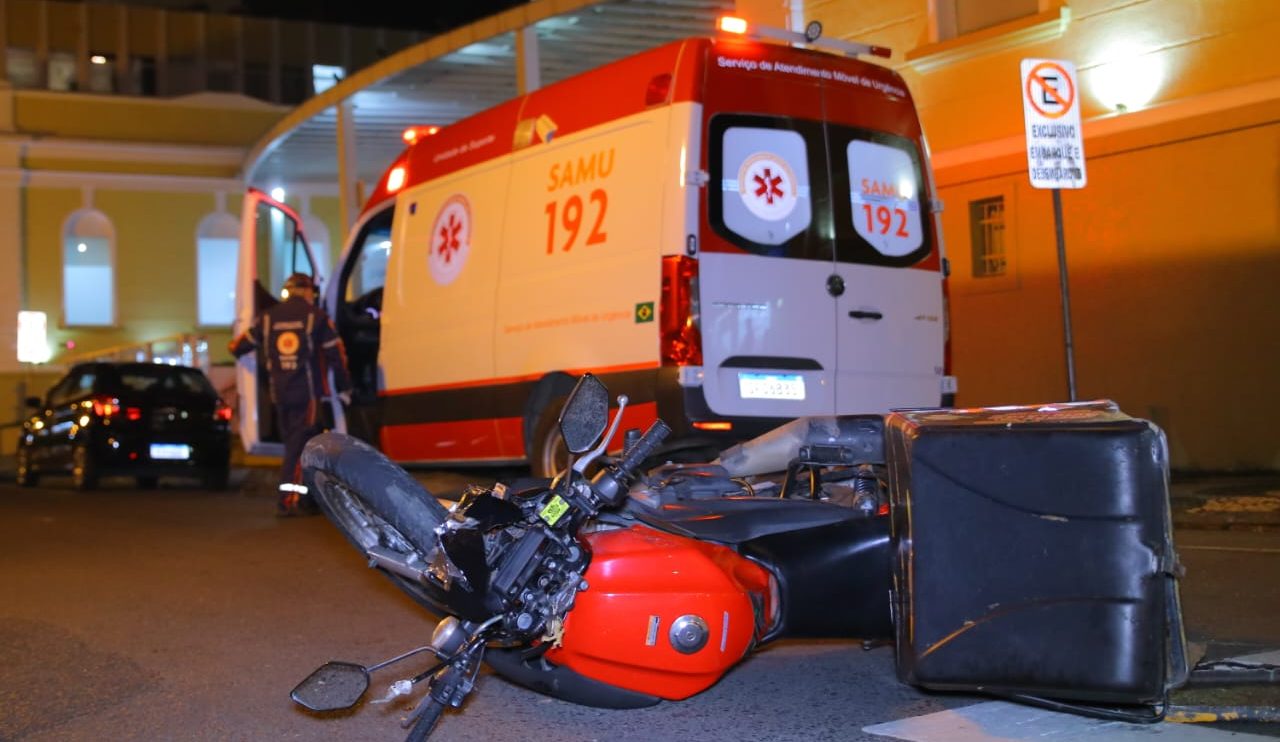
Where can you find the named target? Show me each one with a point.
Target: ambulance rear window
(765, 184)
(768, 184)
(877, 183)
(784, 187)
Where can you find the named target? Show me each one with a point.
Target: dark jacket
(300, 345)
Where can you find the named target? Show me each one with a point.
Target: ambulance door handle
(866, 314)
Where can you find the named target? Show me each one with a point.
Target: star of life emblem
(767, 186)
(450, 240)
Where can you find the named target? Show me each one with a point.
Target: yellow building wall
(1172, 294)
(1174, 245)
(198, 120)
(155, 265)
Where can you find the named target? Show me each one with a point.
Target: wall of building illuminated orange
(1173, 246)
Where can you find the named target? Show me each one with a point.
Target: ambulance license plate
(170, 451)
(770, 386)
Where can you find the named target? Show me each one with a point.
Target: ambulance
(733, 233)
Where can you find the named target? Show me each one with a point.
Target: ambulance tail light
(732, 24)
(681, 338)
(946, 327)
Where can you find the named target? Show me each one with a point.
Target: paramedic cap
(299, 281)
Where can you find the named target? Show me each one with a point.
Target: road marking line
(1000, 721)
(1244, 549)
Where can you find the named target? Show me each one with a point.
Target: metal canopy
(452, 76)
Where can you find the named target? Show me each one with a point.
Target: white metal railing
(182, 349)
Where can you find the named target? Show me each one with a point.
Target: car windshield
(155, 378)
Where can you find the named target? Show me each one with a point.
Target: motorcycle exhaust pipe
(394, 562)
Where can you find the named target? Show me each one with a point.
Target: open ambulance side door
(272, 247)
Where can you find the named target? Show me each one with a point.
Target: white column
(348, 192)
(528, 68)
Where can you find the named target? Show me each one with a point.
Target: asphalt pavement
(181, 614)
(1213, 500)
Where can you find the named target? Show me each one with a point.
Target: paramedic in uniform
(300, 345)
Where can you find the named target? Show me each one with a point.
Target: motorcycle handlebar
(609, 484)
(644, 448)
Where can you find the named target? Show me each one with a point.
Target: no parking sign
(1051, 110)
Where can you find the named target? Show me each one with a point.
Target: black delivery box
(1034, 553)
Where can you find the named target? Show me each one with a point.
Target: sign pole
(1066, 295)
(1055, 160)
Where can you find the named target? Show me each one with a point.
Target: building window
(325, 76)
(217, 255)
(986, 236)
(959, 17)
(88, 270)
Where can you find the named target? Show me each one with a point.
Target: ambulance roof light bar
(812, 35)
(415, 133)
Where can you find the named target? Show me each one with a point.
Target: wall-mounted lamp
(1129, 81)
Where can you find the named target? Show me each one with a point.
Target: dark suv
(141, 419)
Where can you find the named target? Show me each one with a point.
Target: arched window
(217, 253)
(88, 270)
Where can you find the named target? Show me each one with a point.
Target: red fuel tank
(663, 614)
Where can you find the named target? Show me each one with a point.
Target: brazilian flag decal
(644, 312)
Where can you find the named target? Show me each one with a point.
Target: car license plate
(170, 451)
(770, 386)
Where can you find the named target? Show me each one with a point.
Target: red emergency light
(414, 133)
(732, 24)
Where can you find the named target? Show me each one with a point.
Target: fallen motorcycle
(622, 589)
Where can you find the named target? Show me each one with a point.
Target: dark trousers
(298, 423)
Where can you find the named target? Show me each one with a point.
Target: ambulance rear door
(768, 331)
(886, 279)
(272, 248)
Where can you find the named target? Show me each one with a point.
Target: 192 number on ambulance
(570, 220)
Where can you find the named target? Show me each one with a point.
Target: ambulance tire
(373, 501)
(547, 453)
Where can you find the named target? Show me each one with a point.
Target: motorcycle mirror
(332, 687)
(585, 414)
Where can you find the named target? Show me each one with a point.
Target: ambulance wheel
(548, 455)
(373, 501)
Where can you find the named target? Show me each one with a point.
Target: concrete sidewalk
(1226, 500)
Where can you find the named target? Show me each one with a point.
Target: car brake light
(133, 413)
(681, 338)
(106, 406)
(223, 413)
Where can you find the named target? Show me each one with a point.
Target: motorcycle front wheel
(374, 502)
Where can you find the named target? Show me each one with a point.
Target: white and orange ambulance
(732, 233)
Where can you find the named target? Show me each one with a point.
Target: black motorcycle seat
(735, 520)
